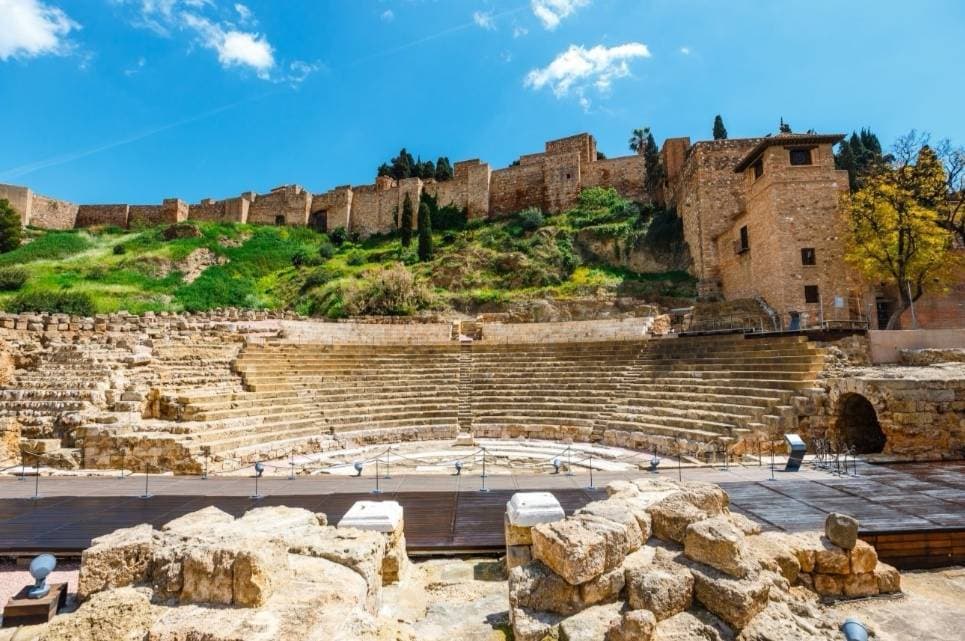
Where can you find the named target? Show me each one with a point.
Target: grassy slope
(485, 263)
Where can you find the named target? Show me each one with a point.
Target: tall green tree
(443, 169)
(11, 231)
(405, 222)
(647, 147)
(860, 155)
(425, 233)
(638, 140)
(720, 131)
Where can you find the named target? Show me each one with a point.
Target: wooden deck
(913, 514)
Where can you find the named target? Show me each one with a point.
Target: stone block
(517, 555)
(888, 578)
(532, 625)
(864, 558)
(516, 535)
(718, 543)
(622, 512)
(635, 625)
(536, 587)
(828, 584)
(858, 585)
(373, 516)
(672, 515)
(604, 588)
(118, 559)
(736, 601)
(663, 588)
(572, 550)
(831, 559)
(841, 529)
(592, 624)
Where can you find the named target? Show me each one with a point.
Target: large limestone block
(828, 584)
(635, 625)
(889, 579)
(663, 588)
(859, 585)
(841, 529)
(672, 515)
(864, 558)
(592, 624)
(575, 552)
(517, 555)
(532, 625)
(516, 535)
(717, 543)
(692, 626)
(624, 513)
(278, 522)
(241, 574)
(385, 517)
(736, 601)
(604, 588)
(536, 587)
(708, 497)
(118, 559)
(615, 534)
(781, 621)
(123, 614)
(207, 521)
(831, 559)
(358, 550)
(775, 552)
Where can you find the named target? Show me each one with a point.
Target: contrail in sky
(53, 161)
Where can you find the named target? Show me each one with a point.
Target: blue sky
(137, 100)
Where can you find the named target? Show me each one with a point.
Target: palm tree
(638, 141)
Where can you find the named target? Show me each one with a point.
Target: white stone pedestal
(523, 511)
(385, 517)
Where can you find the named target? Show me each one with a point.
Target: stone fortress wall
(551, 180)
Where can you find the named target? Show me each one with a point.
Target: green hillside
(199, 266)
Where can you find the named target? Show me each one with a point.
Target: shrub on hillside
(355, 257)
(338, 236)
(54, 302)
(11, 232)
(530, 219)
(181, 230)
(119, 249)
(385, 291)
(12, 278)
(325, 248)
(47, 246)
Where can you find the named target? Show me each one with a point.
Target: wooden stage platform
(914, 514)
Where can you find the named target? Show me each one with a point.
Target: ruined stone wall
(708, 198)
(626, 174)
(335, 206)
(20, 198)
(287, 205)
(231, 210)
(584, 145)
(90, 215)
(515, 188)
(51, 213)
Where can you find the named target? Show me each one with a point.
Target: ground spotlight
(40, 568)
(556, 465)
(358, 468)
(654, 463)
(458, 468)
(259, 469)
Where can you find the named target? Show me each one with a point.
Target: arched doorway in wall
(318, 220)
(858, 425)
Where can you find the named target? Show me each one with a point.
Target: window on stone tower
(811, 294)
(279, 220)
(808, 257)
(758, 168)
(800, 156)
(743, 244)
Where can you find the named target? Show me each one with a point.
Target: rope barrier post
(204, 472)
(388, 454)
(377, 490)
(257, 495)
(680, 459)
(123, 453)
(147, 479)
(291, 462)
(483, 488)
(771, 443)
(36, 480)
(23, 466)
(760, 458)
(591, 487)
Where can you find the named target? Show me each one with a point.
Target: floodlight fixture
(854, 630)
(458, 466)
(358, 468)
(556, 465)
(654, 462)
(40, 569)
(259, 469)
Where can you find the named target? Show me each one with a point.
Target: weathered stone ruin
(670, 561)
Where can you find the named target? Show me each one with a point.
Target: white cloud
(226, 33)
(484, 20)
(685, 51)
(519, 32)
(32, 28)
(136, 67)
(388, 15)
(552, 12)
(578, 67)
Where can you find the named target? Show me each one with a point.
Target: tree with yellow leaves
(896, 235)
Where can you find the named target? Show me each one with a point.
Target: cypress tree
(443, 169)
(405, 224)
(11, 232)
(720, 131)
(425, 233)
(654, 167)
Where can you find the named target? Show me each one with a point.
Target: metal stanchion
(377, 490)
(772, 459)
(388, 453)
(259, 470)
(291, 463)
(204, 472)
(483, 488)
(36, 481)
(23, 466)
(122, 462)
(680, 462)
(591, 486)
(147, 479)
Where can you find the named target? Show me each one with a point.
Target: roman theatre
(558, 477)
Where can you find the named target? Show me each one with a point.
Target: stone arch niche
(857, 424)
